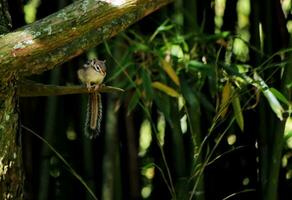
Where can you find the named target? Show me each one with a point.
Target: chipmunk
(92, 74)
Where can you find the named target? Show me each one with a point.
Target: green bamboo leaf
(225, 99)
(107, 48)
(214, 37)
(161, 28)
(147, 84)
(238, 112)
(140, 47)
(273, 101)
(165, 28)
(280, 96)
(196, 66)
(163, 104)
(205, 101)
(170, 71)
(166, 89)
(137, 36)
(288, 128)
(176, 50)
(120, 69)
(189, 94)
(133, 102)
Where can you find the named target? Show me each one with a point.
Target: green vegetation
(205, 112)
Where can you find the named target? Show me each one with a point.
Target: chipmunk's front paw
(96, 87)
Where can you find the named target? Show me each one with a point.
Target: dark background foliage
(163, 138)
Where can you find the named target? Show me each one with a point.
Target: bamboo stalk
(111, 175)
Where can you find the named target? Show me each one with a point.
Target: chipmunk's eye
(96, 67)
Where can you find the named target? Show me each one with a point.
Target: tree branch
(68, 33)
(32, 89)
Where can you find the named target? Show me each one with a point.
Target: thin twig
(70, 169)
(237, 193)
(205, 163)
(33, 89)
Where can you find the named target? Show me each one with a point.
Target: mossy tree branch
(68, 33)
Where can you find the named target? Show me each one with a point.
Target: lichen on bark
(11, 169)
(11, 172)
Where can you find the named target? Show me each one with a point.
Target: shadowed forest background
(205, 115)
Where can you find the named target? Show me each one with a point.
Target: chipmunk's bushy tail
(93, 116)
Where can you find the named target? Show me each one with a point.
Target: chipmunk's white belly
(90, 76)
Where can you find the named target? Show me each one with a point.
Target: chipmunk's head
(92, 72)
(97, 65)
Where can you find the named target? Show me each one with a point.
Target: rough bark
(11, 173)
(65, 34)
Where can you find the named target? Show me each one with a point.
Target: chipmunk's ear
(103, 61)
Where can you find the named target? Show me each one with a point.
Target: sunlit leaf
(30, 10)
(288, 127)
(164, 28)
(140, 47)
(238, 112)
(176, 50)
(199, 66)
(161, 124)
(170, 71)
(225, 99)
(173, 50)
(288, 131)
(289, 85)
(133, 102)
(181, 40)
(242, 68)
(280, 96)
(166, 89)
(273, 101)
(196, 64)
(145, 137)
